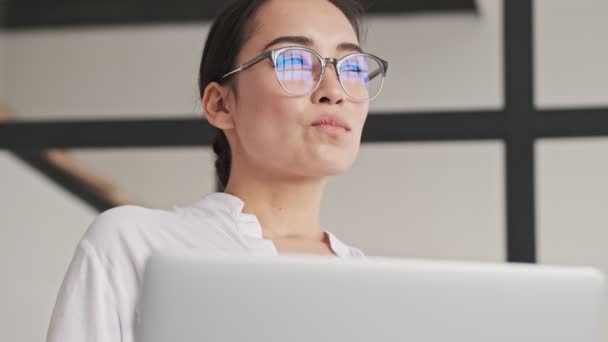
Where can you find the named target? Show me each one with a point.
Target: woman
(286, 119)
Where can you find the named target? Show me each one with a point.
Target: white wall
(154, 177)
(572, 192)
(111, 72)
(571, 71)
(39, 226)
(571, 53)
(440, 62)
(430, 200)
(436, 62)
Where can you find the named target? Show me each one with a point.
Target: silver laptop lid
(304, 298)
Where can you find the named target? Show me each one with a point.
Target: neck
(285, 208)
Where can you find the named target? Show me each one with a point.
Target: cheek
(361, 113)
(264, 104)
(260, 93)
(266, 109)
(267, 123)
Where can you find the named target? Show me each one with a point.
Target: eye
(294, 60)
(297, 60)
(351, 67)
(289, 60)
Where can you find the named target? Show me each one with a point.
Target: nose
(329, 90)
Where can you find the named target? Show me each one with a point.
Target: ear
(217, 107)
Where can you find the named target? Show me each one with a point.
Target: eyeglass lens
(299, 72)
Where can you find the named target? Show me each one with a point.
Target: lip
(331, 121)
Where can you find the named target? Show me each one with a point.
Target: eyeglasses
(299, 71)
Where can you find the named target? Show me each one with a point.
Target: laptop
(301, 298)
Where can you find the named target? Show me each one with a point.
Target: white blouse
(98, 297)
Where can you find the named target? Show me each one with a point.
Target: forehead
(319, 20)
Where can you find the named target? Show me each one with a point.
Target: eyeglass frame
(274, 53)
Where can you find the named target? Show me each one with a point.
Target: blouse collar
(249, 225)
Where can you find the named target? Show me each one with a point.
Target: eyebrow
(301, 40)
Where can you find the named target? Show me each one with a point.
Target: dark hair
(229, 32)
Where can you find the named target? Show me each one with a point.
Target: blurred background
(489, 141)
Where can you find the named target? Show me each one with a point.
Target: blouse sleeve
(85, 309)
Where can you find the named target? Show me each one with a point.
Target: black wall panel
(44, 13)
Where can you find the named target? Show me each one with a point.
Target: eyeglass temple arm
(377, 72)
(250, 63)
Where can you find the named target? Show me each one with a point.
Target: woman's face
(274, 131)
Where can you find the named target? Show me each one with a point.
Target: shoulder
(140, 228)
(119, 225)
(120, 218)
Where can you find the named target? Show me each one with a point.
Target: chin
(335, 164)
(334, 169)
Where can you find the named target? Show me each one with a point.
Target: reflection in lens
(361, 76)
(296, 70)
